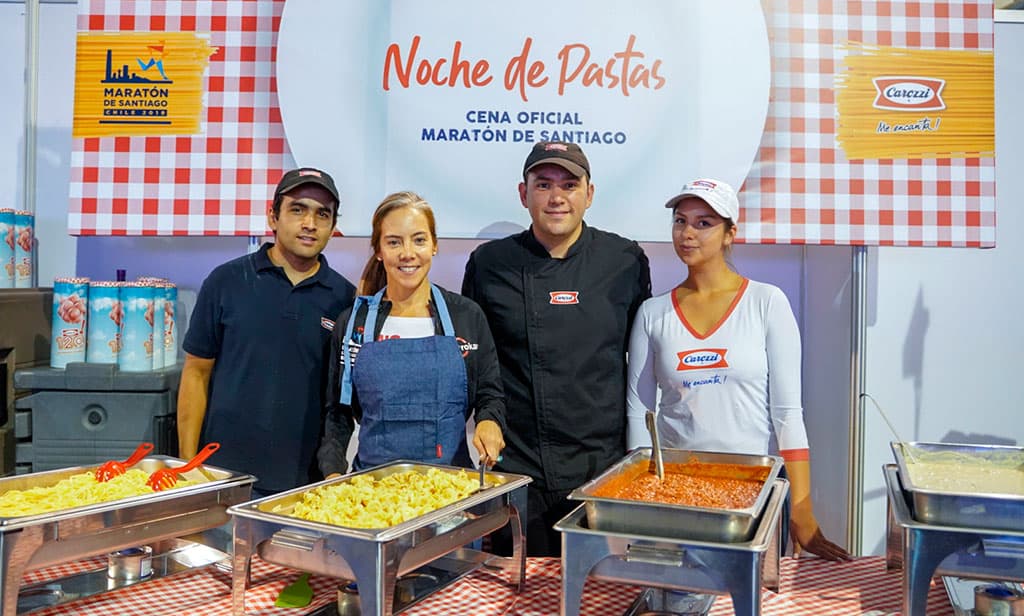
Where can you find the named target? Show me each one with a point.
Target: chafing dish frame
(678, 521)
(33, 542)
(376, 558)
(922, 549)
(738, 569)
(961, 508)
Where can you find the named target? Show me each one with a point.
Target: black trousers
(543, 509)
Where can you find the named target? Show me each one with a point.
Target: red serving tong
(112, 468)
(165, 478)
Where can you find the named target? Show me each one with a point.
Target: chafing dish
(965, 505)
(678, 521)
(33, 542)
(924, 549)
(376, 558)
(736, 568)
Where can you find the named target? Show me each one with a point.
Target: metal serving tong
(657, 464)
(112, 468)
(165, 478)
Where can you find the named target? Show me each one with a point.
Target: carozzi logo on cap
(564, 297)
(561, 147)
(702, 184)
(702, 359)
(312, 172)
(909, 93)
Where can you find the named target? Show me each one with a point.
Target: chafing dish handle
(654, 556)
(295, 539)
(1006, 547)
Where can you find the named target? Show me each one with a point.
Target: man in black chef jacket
(560, 298)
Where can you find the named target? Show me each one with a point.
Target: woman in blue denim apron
(410, 380)
(412, 392)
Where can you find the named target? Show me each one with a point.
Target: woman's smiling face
(406, 248)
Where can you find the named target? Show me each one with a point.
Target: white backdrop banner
(445, 100)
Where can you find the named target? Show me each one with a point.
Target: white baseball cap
(719, 195)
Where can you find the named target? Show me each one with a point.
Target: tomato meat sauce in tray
(705, 496)
(691, 484)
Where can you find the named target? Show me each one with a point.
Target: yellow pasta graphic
(915, 103)
(139, 83)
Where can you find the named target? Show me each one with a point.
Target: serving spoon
(903, 444)
(165, 478)
(113, 468)
(656, 460)
(483, 471)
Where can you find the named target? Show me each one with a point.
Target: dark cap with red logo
(569, 156)
(306, 175)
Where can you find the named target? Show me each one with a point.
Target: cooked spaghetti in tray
(77, 490)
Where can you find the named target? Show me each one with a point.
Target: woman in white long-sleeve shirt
(724, 351)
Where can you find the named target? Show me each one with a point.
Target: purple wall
(186, 261)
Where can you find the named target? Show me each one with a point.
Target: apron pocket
(407, 431)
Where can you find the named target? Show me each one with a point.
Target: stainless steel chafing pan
(36, 541)
(959, 503)
(375, 558)
(676, 521)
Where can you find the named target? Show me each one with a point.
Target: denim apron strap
(371, 314)
(346, 345)
(442, 311)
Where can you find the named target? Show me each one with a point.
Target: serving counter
(608, 568)
(808, 586)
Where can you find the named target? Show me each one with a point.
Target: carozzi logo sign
(702, 359)
(909, 93)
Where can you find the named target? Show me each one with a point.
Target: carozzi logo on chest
(562, 298)
(702, 359)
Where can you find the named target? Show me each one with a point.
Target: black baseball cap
(306, 175)
(569, 156)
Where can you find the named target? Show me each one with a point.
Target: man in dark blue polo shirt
(254, 372)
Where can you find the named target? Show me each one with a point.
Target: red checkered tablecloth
(810, 586)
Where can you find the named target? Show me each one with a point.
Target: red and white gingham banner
(801, 188)
(214, 183)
